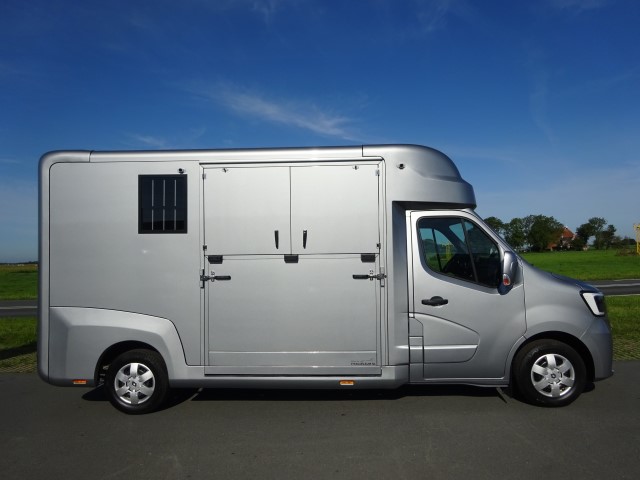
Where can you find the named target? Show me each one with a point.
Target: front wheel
(549, 373)
(137, 381)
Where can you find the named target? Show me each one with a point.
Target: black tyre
(137, 382)
(549, 373)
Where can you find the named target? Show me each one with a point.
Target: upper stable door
(319, 209)
(334, 209)
(247, 210)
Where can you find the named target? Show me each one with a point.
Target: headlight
(595, 302)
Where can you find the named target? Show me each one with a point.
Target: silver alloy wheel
(134, 383)
(553, 375)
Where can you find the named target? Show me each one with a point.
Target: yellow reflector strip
(79, 382)
(347, 383)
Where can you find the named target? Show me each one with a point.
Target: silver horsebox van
(347, 267)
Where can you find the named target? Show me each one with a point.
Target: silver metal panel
(99, 260)
(308, 313)
(337, 207)
(299, 359)
(440, 331)
(236, 155)
(388, 377)
(247, 210)
(416, 350)
(418, 174)
(449, 353)
(415, 327)
(46, 162)
(79, 336)
(555, 304)
(292, 370)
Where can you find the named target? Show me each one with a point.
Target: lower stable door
(307, 315)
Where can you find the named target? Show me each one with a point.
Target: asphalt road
(18, 308)
(618, 287)
(455, 432)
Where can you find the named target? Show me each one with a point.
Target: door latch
(212, 278)
(371, 276)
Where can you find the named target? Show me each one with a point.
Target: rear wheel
(137, 382)
(549, 373)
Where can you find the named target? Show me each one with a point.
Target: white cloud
(178, 140)
(433, 15)
(148, 140)
(267, 9)
(9, 161)
(578, 5)
(299, 114)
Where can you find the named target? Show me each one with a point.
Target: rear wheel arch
(113, 352)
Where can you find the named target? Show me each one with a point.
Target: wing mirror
(510, 268)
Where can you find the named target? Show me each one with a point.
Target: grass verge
(589, 265)
(624, 313)
(19, 282)
(18, 344)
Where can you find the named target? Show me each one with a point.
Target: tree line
(539, 232)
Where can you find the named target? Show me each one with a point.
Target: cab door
(469, 323)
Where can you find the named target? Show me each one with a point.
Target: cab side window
(458, 248)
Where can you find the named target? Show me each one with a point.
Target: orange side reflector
(79, 382)
(347, 383)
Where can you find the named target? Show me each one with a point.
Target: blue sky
(537, 102)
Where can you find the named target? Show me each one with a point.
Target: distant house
(564, 243)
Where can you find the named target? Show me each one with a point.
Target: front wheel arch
(563, 337)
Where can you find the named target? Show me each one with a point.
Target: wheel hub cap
(134, 383)
(552, 375)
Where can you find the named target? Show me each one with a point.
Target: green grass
(589, 265)
(624, 313)
(18, 344)
(17, 332)
(18, 282)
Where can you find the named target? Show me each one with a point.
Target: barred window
(162, 204)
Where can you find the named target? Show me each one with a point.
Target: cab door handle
(435, 301)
